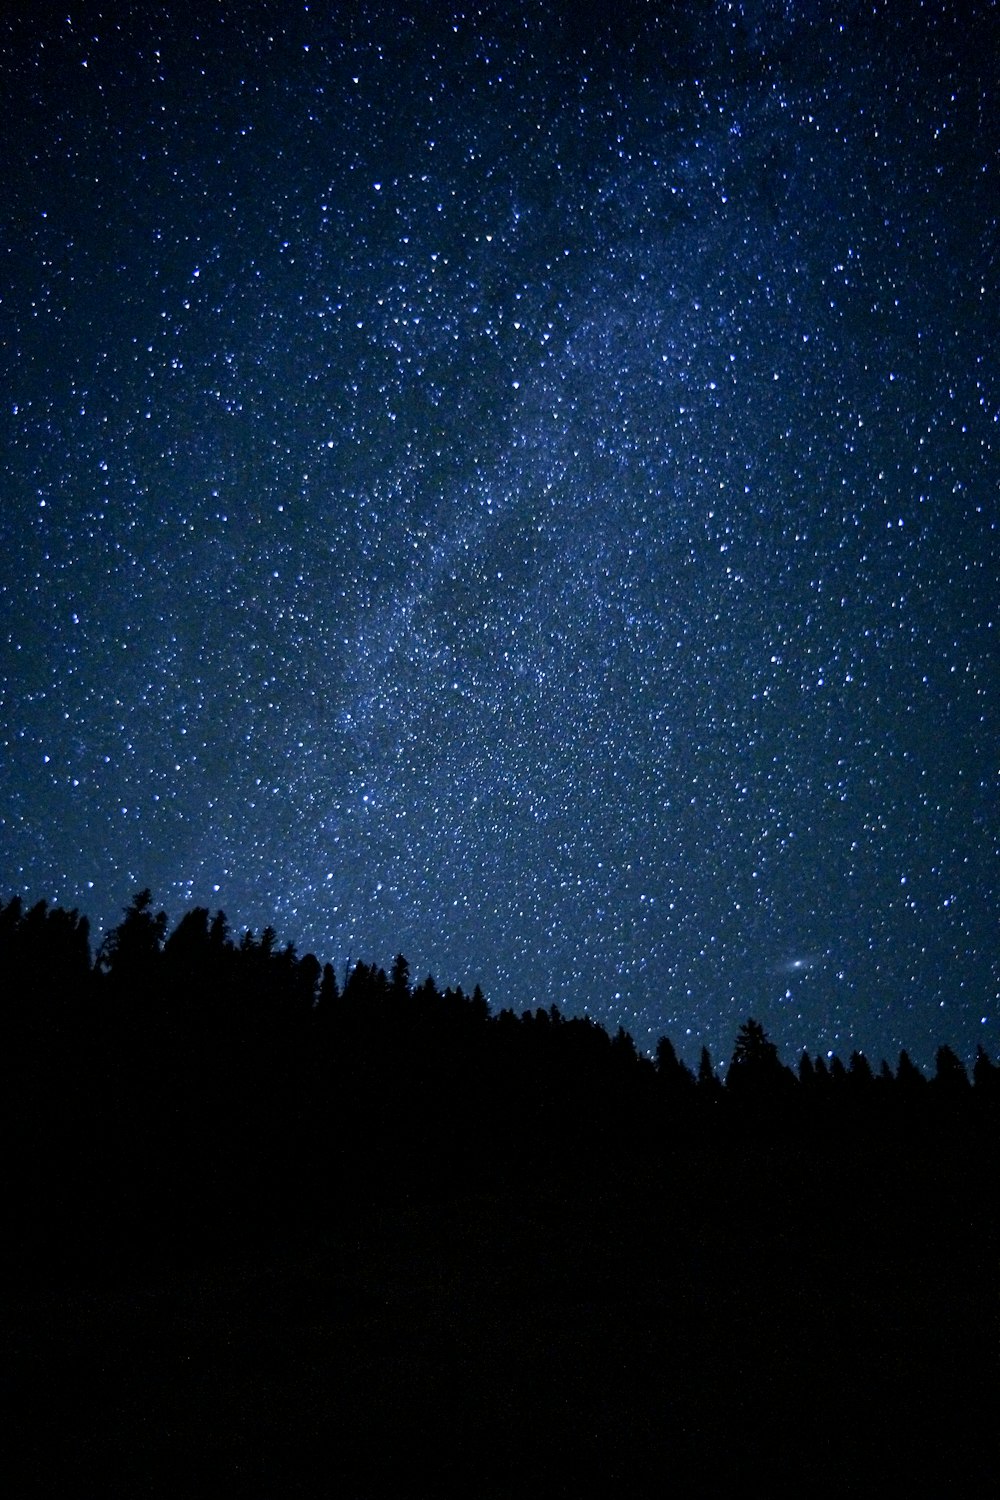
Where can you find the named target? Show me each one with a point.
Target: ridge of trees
(45, 958)
(375, 1215)
(179, 1077)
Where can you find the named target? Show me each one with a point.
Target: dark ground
(737, 1322)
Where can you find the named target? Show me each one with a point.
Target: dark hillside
(271, 1236)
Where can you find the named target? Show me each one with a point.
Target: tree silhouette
(756, 1070)
(909, 1079)
(709, 1083)
(950, 1077)
(399, 978)
(329, 992)
(677, 1080)
(130, 951)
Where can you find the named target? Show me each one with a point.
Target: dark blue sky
(519, 489)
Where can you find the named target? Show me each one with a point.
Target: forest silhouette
(369, 1237)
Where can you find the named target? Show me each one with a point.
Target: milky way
(518, 489)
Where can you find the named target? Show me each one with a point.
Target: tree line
(192, 1082)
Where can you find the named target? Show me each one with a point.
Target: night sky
(518, 488)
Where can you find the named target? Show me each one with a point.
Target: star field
(517, 488)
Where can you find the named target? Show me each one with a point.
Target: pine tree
(755, 1067)
(131, 950)
(676, 1076)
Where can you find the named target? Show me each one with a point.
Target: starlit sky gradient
(516, 485)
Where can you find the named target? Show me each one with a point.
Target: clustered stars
(528, 503)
